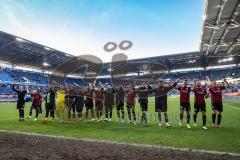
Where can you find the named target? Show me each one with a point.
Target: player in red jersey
(185, 102)
(89, 101)
(99, 101)
(37, 100)
(217, 104)
(70, 102)
(199, 103)
(120, 94)
(143, 92)
(108, 102)
(130, 104)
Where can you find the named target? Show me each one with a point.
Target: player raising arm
(79, 102)
(185, 102)
(130, 104)
(161, 100)
(60, 102)
(120, 102)
(89, 101)
(50, 103)
(199, 102)
(70, 102)
(21, 92)
(143, 93)
(217, 103)
(108, 102)
(99, 101)
(37, 99)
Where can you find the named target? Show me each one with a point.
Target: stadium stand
(38, 79)
(213, 74)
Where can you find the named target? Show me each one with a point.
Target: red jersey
(131, 97)
(89, 96)
(37, 99)
(199, 95)
(184, 94)
(216, 93)
(99, 95)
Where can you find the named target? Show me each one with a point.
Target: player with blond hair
(60, 102)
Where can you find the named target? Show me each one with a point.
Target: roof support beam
(217, 22)
(235, 43)
(231, 24)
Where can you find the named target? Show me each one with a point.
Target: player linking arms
(50, 103)
(89, 101)
(20, 102)
(161, 100)
(217, 104)
(199, 103)
(184, 102)
(120, 93)
(99, 102)
(60, 103)
(79, 102)
(143, 92)
(108, 102)
(36, 104)
(130, 104)
(70, 102)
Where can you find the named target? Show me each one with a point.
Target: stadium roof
(19, 51)
(220, 42)
(221, 28)
(184, 61)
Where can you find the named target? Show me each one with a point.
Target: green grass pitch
(225, 139)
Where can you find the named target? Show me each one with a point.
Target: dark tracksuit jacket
(161, 95)
(120, 97)
(21, 95)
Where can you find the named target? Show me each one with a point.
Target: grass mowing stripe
(232, 107)
(179, 137)
(7, 119)
(122, 143)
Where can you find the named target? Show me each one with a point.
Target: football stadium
(120, 79)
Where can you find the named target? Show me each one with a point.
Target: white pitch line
(232, 107)
(129, 144)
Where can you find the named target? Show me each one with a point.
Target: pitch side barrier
(235, 99)
(8, 98)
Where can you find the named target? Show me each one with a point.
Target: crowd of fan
(11, 75)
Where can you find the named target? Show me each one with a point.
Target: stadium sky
(156, 27)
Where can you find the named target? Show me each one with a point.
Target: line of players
(75, 98)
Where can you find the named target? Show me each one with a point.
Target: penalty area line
(123, 143)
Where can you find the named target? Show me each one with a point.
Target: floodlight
(46, 64)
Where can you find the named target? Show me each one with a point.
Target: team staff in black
(161, 100)
(50, 103)
(21, 92)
